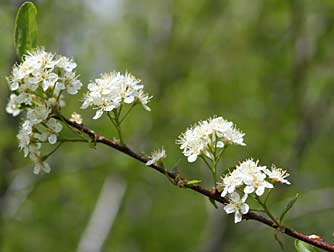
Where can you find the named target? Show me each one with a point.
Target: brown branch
(182, 182)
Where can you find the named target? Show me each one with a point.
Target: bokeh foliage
(266, 65)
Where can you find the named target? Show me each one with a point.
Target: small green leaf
(280, 243)
(304, 247)
(174, 171)
(25, 33)
(193, 182)
(213, 202)
(288, 207)
(92, 142)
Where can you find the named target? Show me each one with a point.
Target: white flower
(13, 107)
(277, 175)
(192, 143)
(230, 183)
(24, 137)
(67, 64)
(205, 137)
(52, 138)
(249, 168)
(49, 81)
(237, 206)
(42, 137)
(234, 136)
(75, 117)
(258, 184)
(74, 86)
(38, 114)
(253, 177)
(69, 82)
(54, 125)
(157, 157)
(24, 98)
(39, 163)
(111, 90)
(144, 98)
(249, 177)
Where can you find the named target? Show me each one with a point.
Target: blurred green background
(266, 65)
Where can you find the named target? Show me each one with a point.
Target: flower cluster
(248, 178)
(37, 86)
(110, 91)
(207, 136)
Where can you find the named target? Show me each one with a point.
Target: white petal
(129, 99)
(230, 189)
(14, 86)
(223, 194)
(235, 197)
(244, 198)
(149, 162)
(46, 168)
(37, 168)
(229, 209)
(220, 144)
(147, 108)
(192, 158)
(268, 185)
(98, 114)
(260, 191)
(85, 104)
(52, 139)
(244, 208)
(237, 217)
(249, 189)
(60, 85)
(109, 108)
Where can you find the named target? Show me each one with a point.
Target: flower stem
(214, 171)
(126, 113)
(267, 211)
(61, 118)
(51, 152)
(115, 122)
(213, 168)
(64, 140)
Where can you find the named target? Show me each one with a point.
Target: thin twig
(212, 194)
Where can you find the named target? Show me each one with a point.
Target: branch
(182, 182)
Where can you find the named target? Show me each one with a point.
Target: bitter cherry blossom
(112, 90)
(249, 178)
(157, 156)
(205, 137)
(237, 206)
(38, 85)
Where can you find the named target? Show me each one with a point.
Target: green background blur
(266, 65)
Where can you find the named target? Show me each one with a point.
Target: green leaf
(193, 182)
(280, 243)
(304, 247)
(92, 142)
(25, 33)
(288, 207)
(213, 202)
